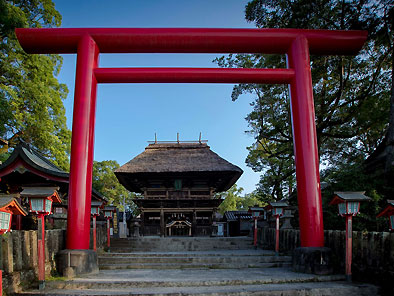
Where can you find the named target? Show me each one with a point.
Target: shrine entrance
(297, 44)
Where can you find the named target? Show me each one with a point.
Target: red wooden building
(27, 167)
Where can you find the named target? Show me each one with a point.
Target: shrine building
(178, 182)
(25, 168)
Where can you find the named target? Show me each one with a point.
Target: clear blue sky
(128, 115)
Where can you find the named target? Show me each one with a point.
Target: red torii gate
(296, 43)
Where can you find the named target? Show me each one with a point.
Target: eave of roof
(44, 192)
(34, 159)
(9, 202)
(177, 158)
(349, 196)
(39, 162)
(388, 210)
(236, 215)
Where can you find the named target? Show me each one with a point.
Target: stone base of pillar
(75, 262)
(312, 260)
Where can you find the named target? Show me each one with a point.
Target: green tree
(232, 199)
(105, 181)
(352, 177)
(352, 94)
(31, 98)
(250, 200)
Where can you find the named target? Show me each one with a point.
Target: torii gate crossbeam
(297, 44)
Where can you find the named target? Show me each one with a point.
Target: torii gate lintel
(297, 44)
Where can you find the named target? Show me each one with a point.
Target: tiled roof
(236, 215)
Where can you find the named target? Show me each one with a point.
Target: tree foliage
(352, 177)
(234, 201)
(105, 181)
(352, 94)
(31, 98)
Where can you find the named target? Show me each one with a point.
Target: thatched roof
(178, 159)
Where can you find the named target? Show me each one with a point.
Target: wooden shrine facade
(178, 182)
(26, 167)
(177, 217)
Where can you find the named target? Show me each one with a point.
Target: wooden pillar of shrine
(194, 222)
(142, 222)
(162, 224)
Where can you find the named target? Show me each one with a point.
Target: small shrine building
(27, 167)
(178, 182)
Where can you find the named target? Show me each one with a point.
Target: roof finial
(177, 137)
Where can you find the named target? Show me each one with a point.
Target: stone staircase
(202, 260)
(199, 267)
(186, 252)
(179, 244)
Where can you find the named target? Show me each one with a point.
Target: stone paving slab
(290, 289)
(192, 277)
(240, 252)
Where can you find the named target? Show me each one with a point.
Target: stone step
(191, 265)
(118, 279)
(226, 253)
(288, 289)
(209, 282)
(178, 248)
(192, 259)
(179, 244)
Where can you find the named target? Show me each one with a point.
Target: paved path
(240, 282)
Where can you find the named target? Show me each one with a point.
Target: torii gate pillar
(297, 44)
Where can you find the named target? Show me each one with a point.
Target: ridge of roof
(34, 158)
(178, 145)
(178, 158)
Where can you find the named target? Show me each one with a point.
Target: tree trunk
(390, 131)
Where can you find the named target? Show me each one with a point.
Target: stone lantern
(40, 201)
(388, 212)
(256, 213)
(95, 211)
(349, 206)
(108, 214)
(277, 210)
(9, 206)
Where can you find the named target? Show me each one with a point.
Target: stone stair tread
(186, 260)
(194, 277)
(247, 252)
(192, 265)
(310, 288)
(169, 244)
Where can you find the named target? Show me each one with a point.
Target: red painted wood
(277, 234)
(349, 232)
(19, 162)
(193, 75)
(94, 233)
(189, 40)
(297, 43)
(41, 248)
(78, 222)
(108, 233)
(305, 147)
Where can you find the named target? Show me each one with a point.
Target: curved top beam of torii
(298, 44)
(190, 40)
